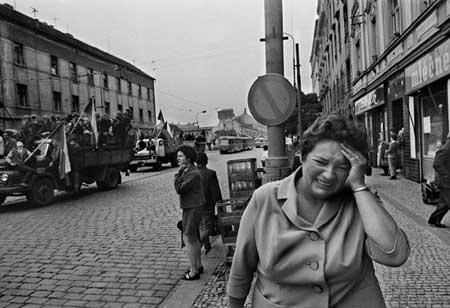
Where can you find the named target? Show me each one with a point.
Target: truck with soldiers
(62, 155)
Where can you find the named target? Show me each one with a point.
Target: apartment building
(330, 58)
(47, 72)
(399, 71)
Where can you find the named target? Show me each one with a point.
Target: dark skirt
(191, 221)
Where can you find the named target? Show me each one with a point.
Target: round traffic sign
(271, 99)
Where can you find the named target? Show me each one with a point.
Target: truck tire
(174, 162)
(111, 181)
(42, 192)
(133, 168)
(157, 165)
(2, 199)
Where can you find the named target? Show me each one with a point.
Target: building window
(139, 91)
(149, 114)
(141, 115)
(105, 81)
(148, 94)
(119, 108)
(90, 76)
(129, 88)
(22, 95)
(107, 108)
(75, 103)
(57, 102)
(131, 112)
(395, 14)
(73, 71)
(54, 65)
(118, 85)
(19, 57)
(374, 38)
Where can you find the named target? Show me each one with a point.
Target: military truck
(88, 165)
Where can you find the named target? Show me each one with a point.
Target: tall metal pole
(299, 92)
(277, 164)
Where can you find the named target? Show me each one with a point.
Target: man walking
(212, 194)
(441, 166)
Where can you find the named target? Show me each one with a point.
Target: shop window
(432, 124)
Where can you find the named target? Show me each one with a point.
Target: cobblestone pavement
(422, 282)
(121, 248)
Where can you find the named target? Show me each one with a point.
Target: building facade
(47, 72)
(400, 71)
(330, 57)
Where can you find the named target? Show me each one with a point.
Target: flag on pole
(90, 111)
(61, 142)
(161, 117)
(169, 130)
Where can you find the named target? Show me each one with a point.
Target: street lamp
(293, 55)
(196, 117)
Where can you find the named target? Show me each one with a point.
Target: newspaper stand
(242, 181)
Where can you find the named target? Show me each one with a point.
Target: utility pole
(299, 92)
(277, 164)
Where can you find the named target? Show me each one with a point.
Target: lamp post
(293, 55)
(196, 117)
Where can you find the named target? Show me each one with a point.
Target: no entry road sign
(271, 99)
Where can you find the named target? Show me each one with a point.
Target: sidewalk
(423, 281)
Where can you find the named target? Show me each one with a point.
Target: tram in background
(232, 144)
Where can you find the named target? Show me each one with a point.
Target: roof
(9, 14)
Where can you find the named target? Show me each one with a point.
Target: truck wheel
(174, 162)
(133, 168)
(42, 192)
(111, 181)
(2, 199)
(157, 165)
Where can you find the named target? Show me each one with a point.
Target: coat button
(314, 265)
(317, 289)
(313, 236)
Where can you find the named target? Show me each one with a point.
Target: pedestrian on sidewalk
(311, 237)
(264, 155)
(382, 160)
(188, 185)
(441, 167)
(211, 194)
(393, 154)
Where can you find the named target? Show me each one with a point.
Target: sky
(204, 54)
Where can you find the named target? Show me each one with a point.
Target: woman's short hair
(337, 128)
(189, 152)
(202, 159)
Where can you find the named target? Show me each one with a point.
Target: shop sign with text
(371, 100)
(432, 66)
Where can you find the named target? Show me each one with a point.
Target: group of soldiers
(79, 130)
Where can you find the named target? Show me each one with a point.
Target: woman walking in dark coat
(189, 187)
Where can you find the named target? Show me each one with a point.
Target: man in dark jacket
(212, 194)
(441, 166)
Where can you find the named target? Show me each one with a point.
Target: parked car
(260, 142)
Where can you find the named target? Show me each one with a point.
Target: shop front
(427, 88)
(370, 111)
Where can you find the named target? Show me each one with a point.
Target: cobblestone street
(121, 248)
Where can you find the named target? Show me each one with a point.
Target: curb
(187, 292)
